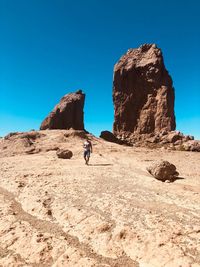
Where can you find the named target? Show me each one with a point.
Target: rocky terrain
(137, 203)
(61, 212)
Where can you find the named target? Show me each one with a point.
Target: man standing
(87, 150)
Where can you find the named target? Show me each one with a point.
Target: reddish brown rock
(163, 171)
(143, 94)
(67, 114)
(192, 145)
(64, 153)
(110, 137)
(174, 136)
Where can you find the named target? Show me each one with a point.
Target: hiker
(87, 150)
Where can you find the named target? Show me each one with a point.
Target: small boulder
(178, 142)
(110, 137)
(163, 171)
(174, 136)
(192, 145)
(188, 138)
(64, 153)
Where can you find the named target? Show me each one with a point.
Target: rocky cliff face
(67, 114)
(143, 94)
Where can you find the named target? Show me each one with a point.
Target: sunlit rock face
(143, 94)
(68, 113)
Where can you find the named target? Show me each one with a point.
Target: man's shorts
(86, 153)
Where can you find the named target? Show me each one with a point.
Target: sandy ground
(57, 212)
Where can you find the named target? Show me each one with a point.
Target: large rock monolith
(143, 94)
(67, 114)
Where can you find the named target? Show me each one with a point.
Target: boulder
(192, 145)
(189, 137)
(143, 94)
(64, 153)
(163, 171)
(108, 136)
(174, 136)
(67, 114)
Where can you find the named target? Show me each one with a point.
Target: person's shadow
(100, 164)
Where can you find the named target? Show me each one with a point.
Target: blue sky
(52, 47)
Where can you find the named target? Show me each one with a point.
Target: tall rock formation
(67, 114)
(143, 94)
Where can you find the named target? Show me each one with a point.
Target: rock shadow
(177, 178)
(172, 179)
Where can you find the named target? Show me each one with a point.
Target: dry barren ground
(56, 212)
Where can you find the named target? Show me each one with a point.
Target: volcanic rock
(192, 145)
(174, 136)
(64, 153)
(143, 94)
(163, 171)
(173, 140)
(110, 137)
(67, 114)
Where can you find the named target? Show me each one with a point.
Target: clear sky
(52, 47)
